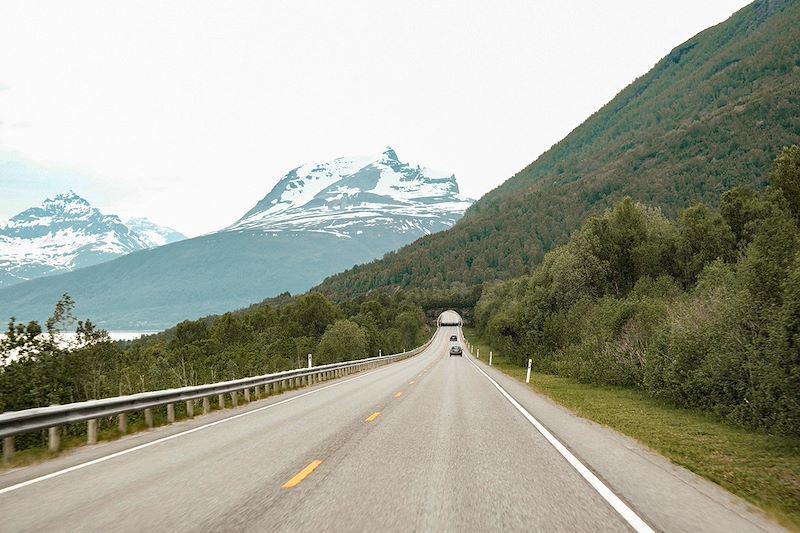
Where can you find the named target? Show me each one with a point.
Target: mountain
(353, 195)
(62, 234)
(714, 113)
(317, 220)
(152, 234)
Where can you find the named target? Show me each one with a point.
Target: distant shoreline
(116, 335)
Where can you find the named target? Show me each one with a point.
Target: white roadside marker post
(490, 358)
(309, 360)
(528, 375)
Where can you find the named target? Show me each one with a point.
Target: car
(456, 350)
(453, 338)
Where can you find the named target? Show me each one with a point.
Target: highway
(432, 443)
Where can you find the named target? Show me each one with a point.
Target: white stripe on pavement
(182, 433)
(634, 520)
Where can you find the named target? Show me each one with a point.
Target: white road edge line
(175, 436)
(634, 520)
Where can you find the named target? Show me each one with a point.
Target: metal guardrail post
(247, 394)
(221, 401)
(148, 417)
(235, 398)
(8, 449)
(91, 431)
(122, 421)
(206, 405)
(53, 439)
(171, 413)
(190, 408)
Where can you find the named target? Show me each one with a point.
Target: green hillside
(713, 114)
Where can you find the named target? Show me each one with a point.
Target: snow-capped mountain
(352, 195)
(63, 234)
(318, 220)
(151, 233)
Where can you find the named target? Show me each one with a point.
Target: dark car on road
(453, 338)
(456, 350)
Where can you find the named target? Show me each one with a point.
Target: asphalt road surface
(432, 443)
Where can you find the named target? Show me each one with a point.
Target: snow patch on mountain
(153, 234)
(65, 233)
(349, 195)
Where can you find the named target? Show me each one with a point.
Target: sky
(189, 112)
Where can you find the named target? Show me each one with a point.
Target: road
(431, 443)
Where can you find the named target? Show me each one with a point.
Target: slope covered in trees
(703, 312)
(711, 115)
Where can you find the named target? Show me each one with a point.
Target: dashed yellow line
(373, 416)
(304, 473)
(397, 395)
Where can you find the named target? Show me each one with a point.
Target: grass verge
(763, 469)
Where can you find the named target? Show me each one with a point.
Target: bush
(704, 313)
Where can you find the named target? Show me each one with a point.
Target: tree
(786, 178)
(62, 316)
(341, 341)
(314, 313)
(408, 323)
(741, 207)
(87, 334)
(230, 329)
(21, 341)
(703, 236)
(304, 346)
(791, 311)
(190, 331)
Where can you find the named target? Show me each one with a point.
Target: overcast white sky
(189, 112)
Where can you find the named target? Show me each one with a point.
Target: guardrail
(14, 423)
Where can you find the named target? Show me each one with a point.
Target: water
(124, 335)
(65, 339)
(116, 335)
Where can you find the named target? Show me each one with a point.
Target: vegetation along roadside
(760, 468)
(37, 370)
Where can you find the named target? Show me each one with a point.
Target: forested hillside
(711, 115)
(703, 312)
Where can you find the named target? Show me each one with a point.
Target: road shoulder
(668, 496)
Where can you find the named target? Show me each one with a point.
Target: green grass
(763, 469)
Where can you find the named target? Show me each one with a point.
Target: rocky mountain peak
(66, 204)
(350, 195)
(66, 232)
(389, 153)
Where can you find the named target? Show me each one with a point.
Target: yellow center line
(398, 394)
(302, 475)
(373, 416)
